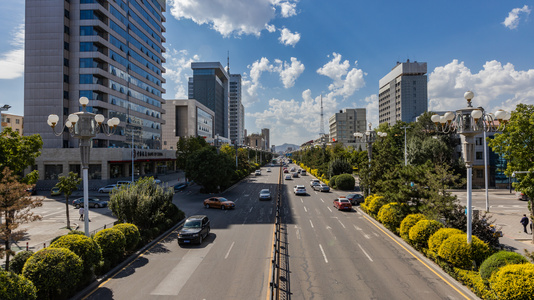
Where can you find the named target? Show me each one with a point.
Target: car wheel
(222, 207)
(200, 239)
(207, 206)
(97, 205)
(209, 228)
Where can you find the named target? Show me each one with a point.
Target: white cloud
(288, 38)
(271, 28)
(178, 71)
(495, 86)
(12, 62)
(512, 21)
(289, 72)
(371, 105)
(239, 17)
(345, 81)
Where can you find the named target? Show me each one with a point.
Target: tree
(19, 152)
(516, 144)
(15, 206)
(187, 146)
(210, 169)
(67, 185)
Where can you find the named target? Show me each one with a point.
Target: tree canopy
(19, 152)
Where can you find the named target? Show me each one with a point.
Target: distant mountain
(284, 147)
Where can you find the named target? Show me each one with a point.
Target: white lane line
(271, 211)
(329, 209)
(228, 253)
(305, 209)
(173, 283)
(341, 223)
(376, 234)
(297, 232)
(301, 200)
(322, 200)
(356, 227)
(324, 255)
(311, 223)
(250, 209)
(365, 253)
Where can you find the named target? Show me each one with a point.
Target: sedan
(55, 191)
(93, 202)
(342, 203)
(521, 196)
(355, 198)
(265, 194)
(315, 182)
(295, 175)
(194, 230)
(288, 177)
(219, 202)
(322, 187)
(180, 186)
(299, 190)
(107, 188)
(258, 172)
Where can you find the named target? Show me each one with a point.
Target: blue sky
(292, 52)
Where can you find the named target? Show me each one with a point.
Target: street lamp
(470, 122)
(405, 151)
(84, 126)
(369, 137)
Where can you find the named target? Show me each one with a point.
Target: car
(342, 203)
(323, 187)
(258, 172)
(295, 175)
(521, 196)
(288, 177)
(180, 186)
(265, 194)
(31, 190)
(126, 182)
(107, 188)
(268, 169)
(315, 182)
(195, 229)
(157, 181)
(219, 202)
(292, 169)
(299, 190)
(355, 198)
(303, 172)
(55, 191)
(92, 202)
(286, 170)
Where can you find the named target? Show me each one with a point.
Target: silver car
(107, 188)
(265, 194)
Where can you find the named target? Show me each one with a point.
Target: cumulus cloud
(12, 62)
(288, 38)
(289, 72)
(271, 28)
(512, 21)
(239, 17)
(345, 81)
(495, 86)
(178, 71)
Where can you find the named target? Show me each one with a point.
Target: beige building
(259, 141)
(13, 121)
(184, 118)
(345, 123)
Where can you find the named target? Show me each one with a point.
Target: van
(302, 172)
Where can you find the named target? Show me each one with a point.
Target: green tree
(187, 146)
(15, 206)
(210, 169)
(516, 144)
(19, 152)
(339, 166)
(67, 185)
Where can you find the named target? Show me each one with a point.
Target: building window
(479, 141)
(17, 121)
(479, 155)
(66, 29)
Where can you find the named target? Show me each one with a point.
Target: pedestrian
(81, 213)
(524, 222)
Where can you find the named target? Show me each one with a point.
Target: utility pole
(405, 148)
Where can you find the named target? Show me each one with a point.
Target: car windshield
(264, 192)
(192, 224)
(343, 200)
(223, 199)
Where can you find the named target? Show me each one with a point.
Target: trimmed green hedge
(514, 282)
(85, 247)
(345, 182)
(435, 241)
(17, 263)
(16, 287)
(408, 222)
(500, 259)
(112, 243)
(460, 254)
(421, 232)
(55, 272)
(391, 216)
(131, 233)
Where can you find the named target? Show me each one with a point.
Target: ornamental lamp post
(369, 137)
(469, 122)
(84, 126)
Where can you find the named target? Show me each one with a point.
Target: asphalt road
(332, 254)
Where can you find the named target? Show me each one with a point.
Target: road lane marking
(356, 227)
(180, 274)
(365, 252)
(251, 209)
(311, 223)
(341, 223)
(301, 200)
(305, 209)
(322, 200)
(329, 209)
(271, 211)
(324, 255)
(228, 253)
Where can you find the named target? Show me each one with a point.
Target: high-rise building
(403, 93)
(108, 51)
(265, 132)
(210, 87)
(236, 111)
(345, 123)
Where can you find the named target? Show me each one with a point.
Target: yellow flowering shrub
(391, 215)
(421, 231)
(375, 204)
(460, 254)
(514, 282)
(435, 241)
(408, 222)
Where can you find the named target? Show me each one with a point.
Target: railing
(275, 262)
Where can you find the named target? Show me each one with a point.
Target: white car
(299, 190)
(107, 188)
(268, 169)
(288, 177)
(265, 194)
(315, 182)
(258, 172)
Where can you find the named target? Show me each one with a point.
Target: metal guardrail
(275, 262)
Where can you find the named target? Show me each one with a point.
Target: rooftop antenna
(321, 133)
(228, 62)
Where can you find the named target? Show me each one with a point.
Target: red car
(219, 202)
(342, 203)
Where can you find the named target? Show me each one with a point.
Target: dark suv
(195, 229)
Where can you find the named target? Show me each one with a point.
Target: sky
(292, 53)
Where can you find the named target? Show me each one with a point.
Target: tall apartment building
(108, 51)
(345, 123)
(209, 86)
(403, 93)
(265, 132)
(236, 111)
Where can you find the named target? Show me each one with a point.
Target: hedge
(421, 232)
(472, 280)
(500, 259)
(18, 261)
(375, 203)
(131, 233)
(55, 272)
(85, 247)
(435, 241)
(112, 243)
(460, 254)
(16, 287)
(514, 282)
(391, 215)
(345, 182)
(408, 222)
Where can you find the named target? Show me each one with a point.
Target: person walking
(524, 222)
(81, 213)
